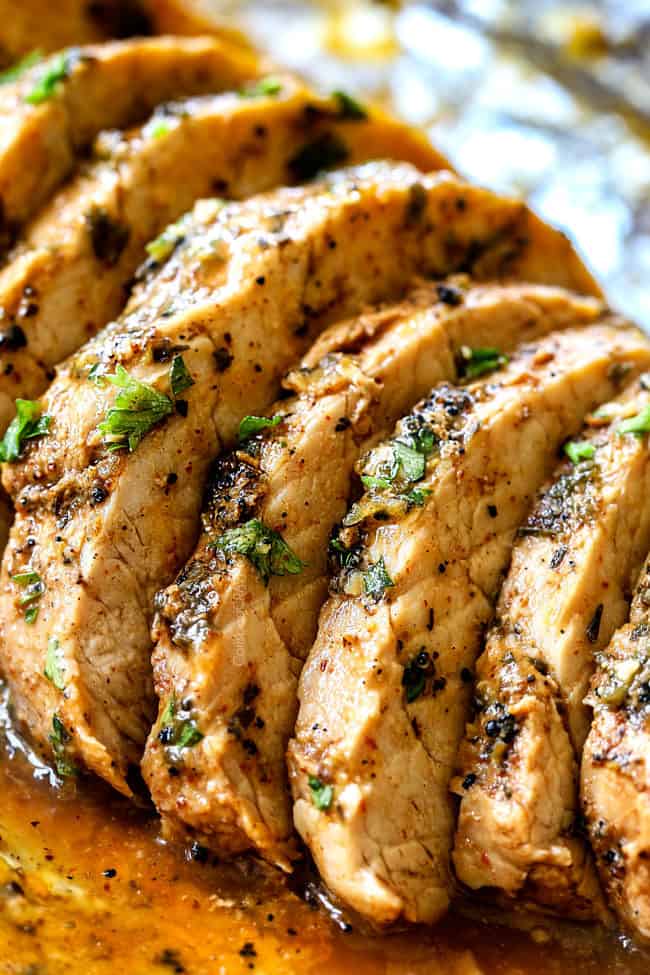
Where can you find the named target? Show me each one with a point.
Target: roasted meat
(232, 632)
(385, 691)
(572, 570)
(54, 109)
(105, 520)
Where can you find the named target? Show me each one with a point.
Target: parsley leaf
(179, 376)
(33, 588)
(20, 67)
(321, 795)
(265, 86)
(376, 580)
(374, 483)
(477, 362)
(55, 71)
(177, 728)
(53, 670)
(577, 450)
(251, 425)
(638, 424)
(349, 108)
(27, 424)
(262, 546)
(411, 461)
(59, 738)
(137, 408)
(158, 129)
(414, 676)
(166, 243)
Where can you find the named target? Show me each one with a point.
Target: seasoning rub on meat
(71, 272)
(385, 691)
(615, 763)
(108, 469)
(235, 627)
(51, 111)
(572, 570)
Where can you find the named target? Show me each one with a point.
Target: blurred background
(543, 98)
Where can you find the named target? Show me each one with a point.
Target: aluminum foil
(535, 97)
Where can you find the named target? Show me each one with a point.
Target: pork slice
(231, 640)
(238, 300)
(71, 273)
(567, 591)
(54, 109)
(385, 691)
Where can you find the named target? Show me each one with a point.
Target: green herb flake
(166, 243)
(265, 86)
(33, 588)
(638, 425)
(20, 67)
(177, 728)
(325, 152)
(478, 362)
(138, 407)
(411, 462)
(374, 483)
(349, 108)
(417, 497)
(59, 739)
(414, 676)
(321, 795)
(179, 376)
(27, 424)
(158, 129)
(263, 546)
(577, 450)
(251, 425)
(53, 670)
(55, 71)
(376, 580)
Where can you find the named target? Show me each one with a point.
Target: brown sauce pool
(88, 888)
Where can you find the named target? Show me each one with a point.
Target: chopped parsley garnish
(326, 151)
(251, 425)
(33, 588)
(137, 408)
(158, 129)
(376, 580)
(374, 483)
(321, 795)
(411, 461)
(346, 557)
(20, 67)
(177, 728)
(59, 739)
(417, 497)
(638, 425)
(53, 670)
(27, 424)
(265, 86)
(577, 450)
(349, 108)
(179, 376)
(55, 71)
(477, 362)
(415, 675)
(166, 243)
(262, 546)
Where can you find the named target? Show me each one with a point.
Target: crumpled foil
(536, 97)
